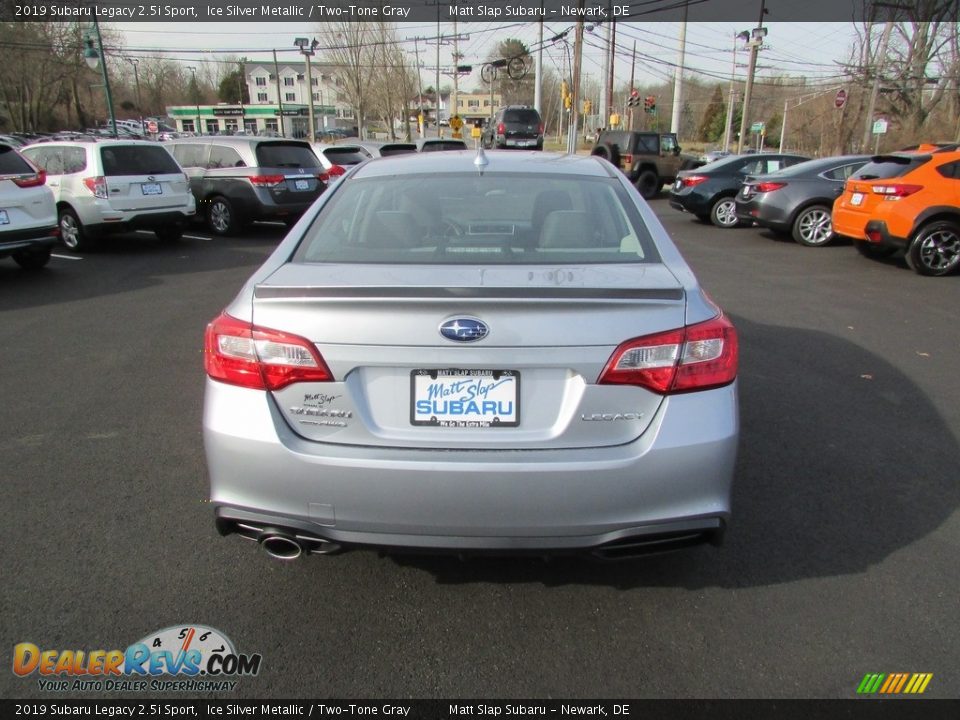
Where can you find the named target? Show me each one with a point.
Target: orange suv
(906, 201)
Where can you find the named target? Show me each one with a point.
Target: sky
(811, 50)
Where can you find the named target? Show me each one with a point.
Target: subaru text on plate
(447, 353)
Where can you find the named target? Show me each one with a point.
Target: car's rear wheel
(935, 249)
(872, 250)
(648, 184)
(723, 214)
(221, 217)
(72, 232)
(169, 233)
(813, 226)
(33, 259)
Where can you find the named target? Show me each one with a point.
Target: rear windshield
(530, 117)
(398, 149)
(467, 219)
(286, 154)
(889, 166)
(345, 156)
(138, 160)
(443, 145)
(11, 163)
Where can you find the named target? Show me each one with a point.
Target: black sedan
(798, 200)
(710, 192)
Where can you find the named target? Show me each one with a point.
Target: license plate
(151, 189)
(4, 218)
(465, 398)
(856, 199)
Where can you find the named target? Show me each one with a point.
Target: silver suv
(114, 186)
(237, 180)
(28, 218)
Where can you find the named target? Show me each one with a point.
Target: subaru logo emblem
(464, 329)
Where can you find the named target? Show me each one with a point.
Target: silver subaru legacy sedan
(500, 352)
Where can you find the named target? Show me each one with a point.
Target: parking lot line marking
(196, 237)
(66, 257)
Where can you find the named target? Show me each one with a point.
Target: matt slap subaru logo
(464, 329)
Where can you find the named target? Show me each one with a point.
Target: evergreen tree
(711, 125)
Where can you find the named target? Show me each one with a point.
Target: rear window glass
(443, 145)
(11, 163)
(455, 219)
(137, 160)
(889, 166)
(281, 154)
(190, 154)
(530, 117)
(398, 149)
(345, 156)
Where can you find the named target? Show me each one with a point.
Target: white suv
(28, 216)
(114, 186)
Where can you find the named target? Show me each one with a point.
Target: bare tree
(348, 50)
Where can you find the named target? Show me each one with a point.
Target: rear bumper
(876, 232)
(673, 481)
(764, 215)
(12, 241)
(141, 221)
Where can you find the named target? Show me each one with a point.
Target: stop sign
(841, 99)
(152, 127)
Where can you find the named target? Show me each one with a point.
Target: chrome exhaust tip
(280, 546)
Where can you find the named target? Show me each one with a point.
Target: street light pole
(196, 96)
(136, 77)
(93, 57)
(308, 49)
(755, 43)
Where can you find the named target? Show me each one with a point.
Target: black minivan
(514, 126)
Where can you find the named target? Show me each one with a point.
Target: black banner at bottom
(865, 709)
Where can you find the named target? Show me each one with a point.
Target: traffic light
(567, 102)
(650, 104)
(587, 107)
(634, 100)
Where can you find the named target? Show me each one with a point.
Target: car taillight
(336, 170)
(239, 353)
(896, 191)
(97, 185)
(695, 357)
(266, 180)
(691, 180)
(501, 129)
(627, 158)
(763, 187)
(32, 180)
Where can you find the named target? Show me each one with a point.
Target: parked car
(905, 202)
(28, 214)
(336, 159)
(378, 148)
(436, 144)
(710, 192)
(514, 126)
(649, 159)
(110, 186)
(798, 200)
(381, 380)
(237, 180)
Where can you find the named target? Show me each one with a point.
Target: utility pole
(731, 95)
(538, 72)
(678, 76)
(755, 42)
(613, 66)
(455, 100)
(604, 72)
(420, 119)
(276, 74)
(575, 90)
(878, 71)
(633, 71)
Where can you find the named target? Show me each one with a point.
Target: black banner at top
(591, 11)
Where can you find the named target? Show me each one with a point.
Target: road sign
(879, 126)
(456, 123)
(757, 127)
(152, 127)
(841, 99)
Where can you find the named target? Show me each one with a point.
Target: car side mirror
(676, 150)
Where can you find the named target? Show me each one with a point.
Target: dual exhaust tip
(283, 545)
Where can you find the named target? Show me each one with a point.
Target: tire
(169, 233)
(648, 184)
(72, 233)
(32, 259)
(723, 214)
(221, 217)
(935, 249)
(872, 250)
(812, 226)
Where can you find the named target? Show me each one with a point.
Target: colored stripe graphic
(894, 683)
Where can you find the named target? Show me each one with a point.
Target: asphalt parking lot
(841, 560)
